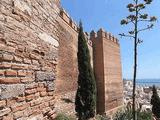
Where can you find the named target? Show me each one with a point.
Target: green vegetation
(127, 115)
(62, 116)
(145, 116)
(155, 101)
(121, 115)
(85, 103)
(137, 18)
(100, 117)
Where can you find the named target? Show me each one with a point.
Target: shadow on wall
(67, 100)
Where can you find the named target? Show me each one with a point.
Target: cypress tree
(155, 101)
(85, 103)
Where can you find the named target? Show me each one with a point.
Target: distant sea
(148, 82)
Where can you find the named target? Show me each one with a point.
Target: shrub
(145, 116)
(100, 117)
(123, 115)
(155, 101)
(62, 116)
(127, 115)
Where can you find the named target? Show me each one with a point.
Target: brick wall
(98, 71)
(67, 72)
(38, 61)
(28, 58)
(67, 64)
(108, 72)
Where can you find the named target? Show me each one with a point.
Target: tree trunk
(135, 65)
(134, 80)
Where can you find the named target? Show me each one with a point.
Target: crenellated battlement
(65, 16)
(100, 34)
(103, 34)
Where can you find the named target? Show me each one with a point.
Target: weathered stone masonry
(28, 58)
(67, 64)
(67, 71)
(38, 62)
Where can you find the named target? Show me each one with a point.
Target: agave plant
(127, 115)
(123, 115)
(136, 18)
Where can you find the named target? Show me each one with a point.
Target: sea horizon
(147, 82)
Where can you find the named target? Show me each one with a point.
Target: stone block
(36, 102)
(8, 117)
(7, 57)
(29, 73)
(18, 114)
(19, 66)
(4, 111)
(30, 91)
(20, 5)
(5, 65)
(41, 89)
(1, 72)
(12, 73)
(21, 73)
(19, 107)
(50, 93)
(31, 86)
(27, 61)
(27, 79)
(9, 91)
(20, 99)
(9, 80)
(11, 102)
(35, 62)
(50, 86)
(42, 94)
(47, 38)
(41, 84)
(30, 97)
(52, 54)
(34, 56)
(2, 103)
(17, 59)
(45, 76)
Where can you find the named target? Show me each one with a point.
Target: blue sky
(107, 14)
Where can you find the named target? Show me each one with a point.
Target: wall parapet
(65, 16)
(103, 34)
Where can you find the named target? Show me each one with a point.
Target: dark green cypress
(85, 103)
(155, 101)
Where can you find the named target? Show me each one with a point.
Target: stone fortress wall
(38, 61)
(107, 69)
(67, 71)
(67, 68)
(29, 43)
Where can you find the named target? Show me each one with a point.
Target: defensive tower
(107, 69)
